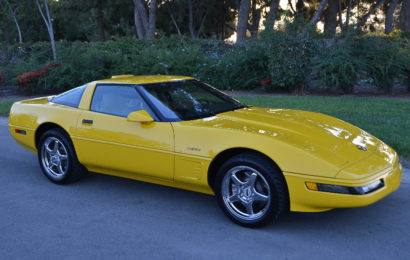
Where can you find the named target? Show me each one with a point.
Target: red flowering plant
(266, 81)
(29, 82)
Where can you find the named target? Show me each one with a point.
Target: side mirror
(141, 116)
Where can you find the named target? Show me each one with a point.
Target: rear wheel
(58, 159)
(251, 191)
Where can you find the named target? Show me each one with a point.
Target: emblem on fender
(362, 148)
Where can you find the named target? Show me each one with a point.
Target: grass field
(386, 118)
(5, 107)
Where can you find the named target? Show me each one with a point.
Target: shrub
(289, 59)
(277, 60)
(30, 82)
(338, 67)
(385, 61)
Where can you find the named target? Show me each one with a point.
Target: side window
(70, 98)
(118, 101)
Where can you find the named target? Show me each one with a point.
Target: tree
(255, 13)
(49, 25)
(191, 20)
(331, 16)
(271, 16)
(349, 8)
(388, 24)
(12, 12)
(100, 19)
(318, 13)
(404, 22)
(243, 17)
(205, 18)
(372, 10)
(145, 23)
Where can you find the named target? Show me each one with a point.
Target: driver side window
(118, 101)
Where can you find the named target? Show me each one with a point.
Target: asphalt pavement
(105, 217)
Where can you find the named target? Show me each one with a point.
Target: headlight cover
(346, 189)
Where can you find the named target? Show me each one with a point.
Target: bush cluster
(279, 60)
(29, 82)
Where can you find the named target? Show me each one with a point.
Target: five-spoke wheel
(54, 157)
(57, 157)
(251, 190)
(246, 192)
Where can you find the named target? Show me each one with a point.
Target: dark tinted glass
(70, 98)
(188, 99)
(118, 100)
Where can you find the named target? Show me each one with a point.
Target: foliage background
(276, 61)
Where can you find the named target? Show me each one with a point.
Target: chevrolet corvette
(177, 131)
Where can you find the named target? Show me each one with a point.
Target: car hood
(327, 138)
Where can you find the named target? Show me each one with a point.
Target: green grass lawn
(386, 118)
(5, 107)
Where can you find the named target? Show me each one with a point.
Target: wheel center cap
(245, 193)
(55, 159)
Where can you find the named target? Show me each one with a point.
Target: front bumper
(303, 199)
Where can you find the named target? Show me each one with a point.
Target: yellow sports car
(177, 131)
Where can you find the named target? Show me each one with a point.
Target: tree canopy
(101, 20)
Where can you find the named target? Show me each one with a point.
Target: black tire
(58, 159)
(235, 198)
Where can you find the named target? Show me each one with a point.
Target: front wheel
(250, 190)
(58, 159)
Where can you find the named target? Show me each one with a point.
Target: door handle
(86, 121)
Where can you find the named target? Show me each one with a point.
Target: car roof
(131, 79)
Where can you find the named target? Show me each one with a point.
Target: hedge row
(274, 61)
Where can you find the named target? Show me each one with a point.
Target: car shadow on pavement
(192, 205)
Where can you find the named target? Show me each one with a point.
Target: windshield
(188, 99)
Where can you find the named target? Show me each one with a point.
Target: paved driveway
(108, 217)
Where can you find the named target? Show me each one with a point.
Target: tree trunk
(388, 25)
(318, 13)
(300, 6)
(405, 16)
(372, 10)
(331, 17)
(100, 20)
(13, 14)
(339, 10)
(139, 28)
(152, 19)
(201, 26)
(142, 13)
(49, 26)
(271, 17)
(191, 19)
(349, 8)
(243, 17)
(221, 22)
(145, 24)
(291, 6)
(256, 17)
(174, 22)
